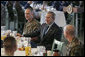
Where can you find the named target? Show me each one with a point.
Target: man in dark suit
(50, 31)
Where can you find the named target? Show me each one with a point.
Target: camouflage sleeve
(35, 31)
(36, 26)
(76, 51)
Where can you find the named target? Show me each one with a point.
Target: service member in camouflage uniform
(74, 47)
(32, 24)
(31, 27)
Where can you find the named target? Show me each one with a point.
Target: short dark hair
(10, 45)
(52, 13)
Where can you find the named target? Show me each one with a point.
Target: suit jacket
(53, 33)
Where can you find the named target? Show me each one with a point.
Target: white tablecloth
(17, 52)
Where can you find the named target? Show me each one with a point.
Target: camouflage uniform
(29, 27)
(75, 48)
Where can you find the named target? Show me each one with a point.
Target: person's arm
(36, 27)
(77, 51)
(32, 34)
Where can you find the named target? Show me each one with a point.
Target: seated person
(31, 26)
(50, 31)
(10, 46)
(74, 47)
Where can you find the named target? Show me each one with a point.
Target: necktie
(46, 30)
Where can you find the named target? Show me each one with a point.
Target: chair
(59, 46)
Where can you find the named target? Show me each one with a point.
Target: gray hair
(31, 9)
(70, 30)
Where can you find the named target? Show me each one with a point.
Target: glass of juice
(28, 51)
